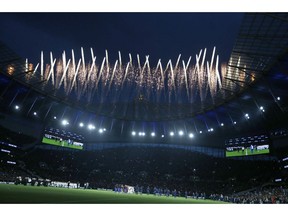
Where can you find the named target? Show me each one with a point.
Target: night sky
(159, 35)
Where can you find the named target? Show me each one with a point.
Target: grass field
(58, 143)
(20, 194)
(246, 153)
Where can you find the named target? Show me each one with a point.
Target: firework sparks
(90, 82)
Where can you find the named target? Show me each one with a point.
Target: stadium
(99, 126)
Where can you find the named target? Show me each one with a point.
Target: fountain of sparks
(91, 83)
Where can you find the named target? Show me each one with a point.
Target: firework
(181, 82)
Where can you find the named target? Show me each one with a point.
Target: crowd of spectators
(188, 173)
(156, 171)
(265, 195)
(9, 173)
(19, 138)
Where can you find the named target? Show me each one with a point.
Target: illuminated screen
(62, 138)
(247, 146)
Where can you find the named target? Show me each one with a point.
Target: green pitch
(34, 194)
(58, 143)
(246, 152)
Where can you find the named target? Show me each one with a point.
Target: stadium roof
(254, 83)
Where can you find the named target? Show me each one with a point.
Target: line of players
(159, 192)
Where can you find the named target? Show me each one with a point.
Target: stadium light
(222, 124)
(91, 127)
(153, 134)
(141, 133)
(104, 129)
(81, 124)
(247, 116)
(171, 133)
(211, 129)
(133, 133)
(278, 98)
(262, 108)
(200, 132)
(162, 136)
(181, 133)
(17, 107)
(100, 130)
(34, 113)
(191, 135)
(65, 122)
(55, 117)
(234, 122)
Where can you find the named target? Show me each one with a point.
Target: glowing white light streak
(84, 78)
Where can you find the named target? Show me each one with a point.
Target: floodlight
(191, 135)
(91, 127)
(64, 122)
